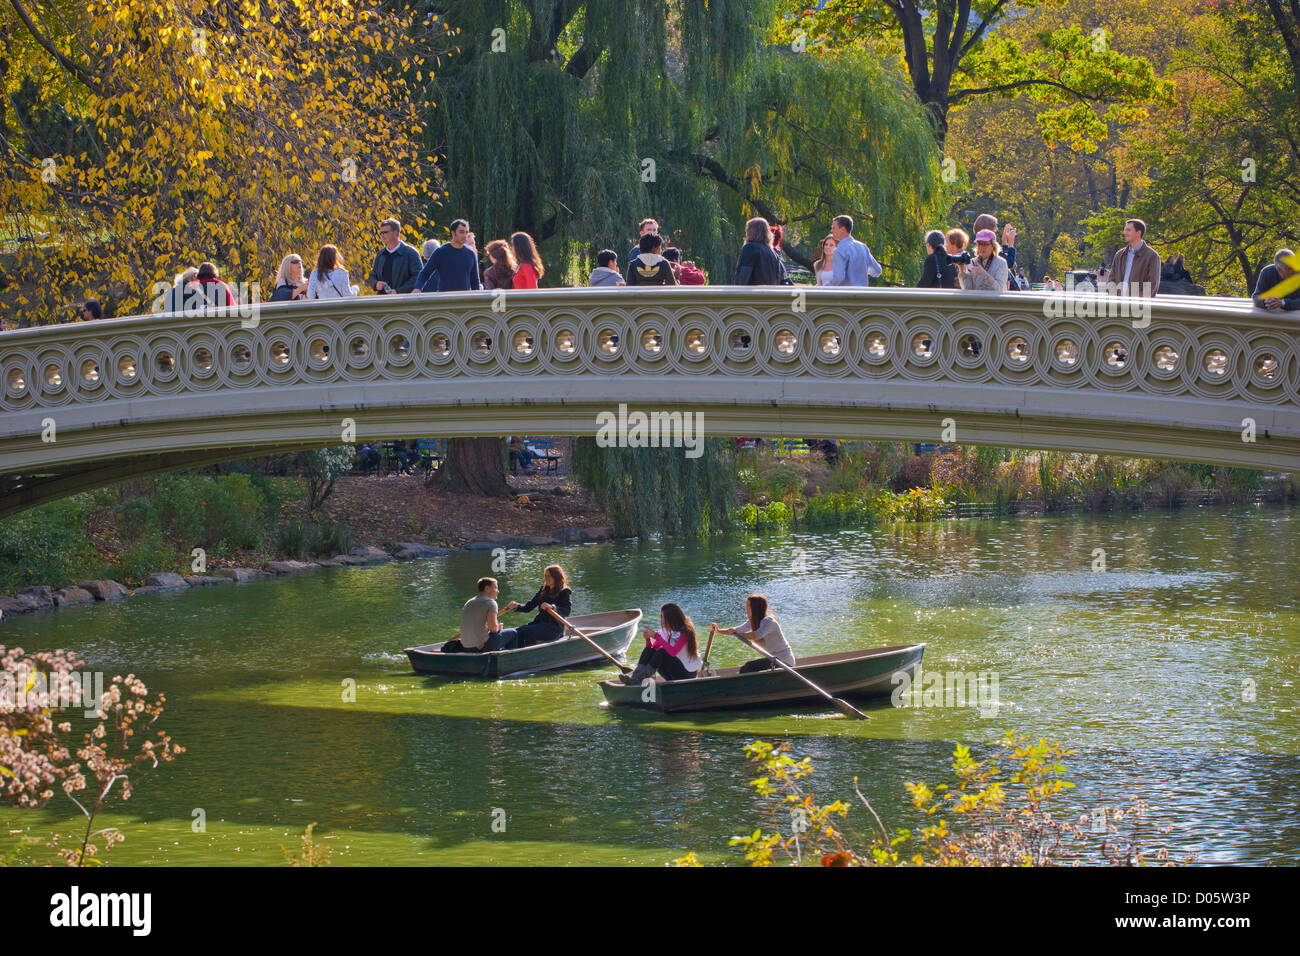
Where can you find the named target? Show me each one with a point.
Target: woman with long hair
(501, 274)
(758, 263)
(530, 263)
(290, 283)
(555, 591)
(672, 651)
(824, 264)
(329, 280)
(762, 628)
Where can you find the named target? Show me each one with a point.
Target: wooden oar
(551, 611)
(843, 706)
(704, 665)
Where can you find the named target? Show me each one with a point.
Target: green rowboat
(612, 630)
(865, 673)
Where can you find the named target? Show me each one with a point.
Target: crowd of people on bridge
(952, 260)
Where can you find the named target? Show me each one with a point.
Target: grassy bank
(874, 483)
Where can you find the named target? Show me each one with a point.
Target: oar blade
(848, 710)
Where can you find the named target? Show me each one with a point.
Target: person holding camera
(938, 271)
(954, 244)
(987, 271)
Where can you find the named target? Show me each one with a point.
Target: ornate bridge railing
(85, 404)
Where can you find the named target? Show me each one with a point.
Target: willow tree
(649, 490)
(572, 120)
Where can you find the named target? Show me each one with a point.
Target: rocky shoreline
(43, 597)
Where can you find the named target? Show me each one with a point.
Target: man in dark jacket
(397, 264)
(1270, 276)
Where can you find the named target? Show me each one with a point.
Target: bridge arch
(136, 395)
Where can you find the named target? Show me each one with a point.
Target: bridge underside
(102, 453)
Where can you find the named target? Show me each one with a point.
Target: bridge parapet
(1015, 368)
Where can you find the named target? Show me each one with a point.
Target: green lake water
(1145, 669)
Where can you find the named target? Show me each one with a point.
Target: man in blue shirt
(453, 267)
(854, 263)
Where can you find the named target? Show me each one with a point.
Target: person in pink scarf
(671, 651)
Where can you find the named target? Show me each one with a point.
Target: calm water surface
(1140, 669)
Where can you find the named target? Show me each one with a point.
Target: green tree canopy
(574, 120)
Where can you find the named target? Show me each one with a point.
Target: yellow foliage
(228, 138)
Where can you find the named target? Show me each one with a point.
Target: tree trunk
(473, 466)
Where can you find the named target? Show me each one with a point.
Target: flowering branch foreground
(36, 753)
(999, 826)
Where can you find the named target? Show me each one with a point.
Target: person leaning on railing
(1270, 276)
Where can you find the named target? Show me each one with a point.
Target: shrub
(914, 473)
(1001, 811)
(153, 552)
(296, 539)
(774, 515)
(836, 509)
(137, 516)
(783, 480)
(46, 545)
(333, 539)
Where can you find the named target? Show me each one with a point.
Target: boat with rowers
(873, 672)
(611, 631)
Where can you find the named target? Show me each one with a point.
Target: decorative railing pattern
(1196, 351)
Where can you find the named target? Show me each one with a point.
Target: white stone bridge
(133, 396)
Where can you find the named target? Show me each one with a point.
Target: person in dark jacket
(397, 264)
(937, 272)
(1270, 276)
(650, 267)
(544, 628)
(759, 264)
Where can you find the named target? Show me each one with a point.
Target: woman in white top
(329, 280)
(761, 627)
(824, 265)
(988, 270)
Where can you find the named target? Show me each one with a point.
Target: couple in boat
(673, 651)
(481, 631)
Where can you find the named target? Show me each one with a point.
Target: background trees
(575, 120)
(140, 136)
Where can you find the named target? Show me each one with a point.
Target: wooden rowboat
(865, 673)
(612, 630)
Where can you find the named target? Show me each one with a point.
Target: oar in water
(843, 706)
(555, 614)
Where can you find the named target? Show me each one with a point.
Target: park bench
(543, 450)
(431, 453)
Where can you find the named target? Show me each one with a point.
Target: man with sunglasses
(397, 264)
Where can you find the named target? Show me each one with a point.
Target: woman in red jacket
(530, 263)
(671, 651)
